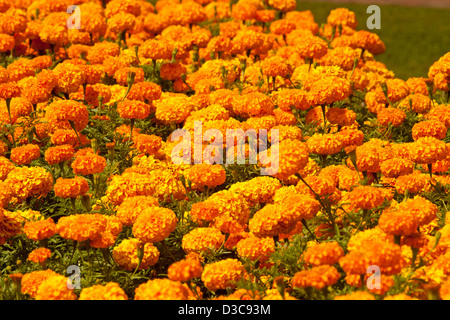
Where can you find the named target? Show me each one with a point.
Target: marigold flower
(427, 150)
(131, 208)
(327, 90)
(24, 155)
(255, 248)
(396, 167)
(109, 291)
(311, 47)
(356, 295)
(369, 41)
(31, 281)
(125, 254)
(202, 240)
(342, 17)
(429, 128)
(288, 98)
(55, 288)
(81, 227)
(154, 224)
(283, 5)
(57, 154)
(161, 289)
(185, 270)
(89, 163)
(390, 115)
(71, 188)
(222, 274)
(39, 255)
(366, 197)
(324, 253)
(40, 229)
(232, 205)
(272, 220)
(154, 49)
(324, 144)
(206, 175)
(29, 181)
(317, 277)
(172, 110)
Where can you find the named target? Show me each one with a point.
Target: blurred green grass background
(414, 37)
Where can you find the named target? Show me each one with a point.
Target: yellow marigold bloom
(5, 194)
(324, 144)
(24, 155)
(342, 17)
(427, 150)
(161, 289)
(185, 270)
(125, 254)
(55, 288)
(109, 291)
(317, 277)
(324, 253)
(154, 224)
(10, 225)
(129, 184)
(81, 227)
(396, 167)
(400, 296)
(255, 248)
(57, 154)
(39, 255)
(202, 240)
(222, 274)
(206, 175)
(40, 229)
(29, 181)
(132, 207)
(429, 128)
(356, 295)
(30, 282)
(292, 156)
(89, 163)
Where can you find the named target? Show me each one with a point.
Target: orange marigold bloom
(342, 17)
(283, 5)
(7, 42)
(89, 163)
(110, 291)
(317, 277)
(252, 104)
(70, 77)
(324, 144)
(148, 144)
(55, 288)
(222, 274)
(302, 206)
(369, 41)
(288, 98)
(272, 220)
(292, 156)
(397, 222)
(155, 49)
(122, 75)
(396, 167)
(39, 255)
(68, 110)
(324, 253)
(125, 254)
(205, 210)
(206, 175)
(29, 181)
(133, 109)
(161, 289)
(392, 116)
(132, 207)
(57, 154)
(173, 109)
(366, 197)
(31, 281)
(40, 229)
(185, 270)
(429, 128)
(341, 116)
(276, 66)
(427, 150)
(255, 248)
(154, 224)
(327, 90)
(71, 188)
(121, 22)
(24, 155)
(312, 47)
(202, 240)
(81, 227)
(416, 102)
